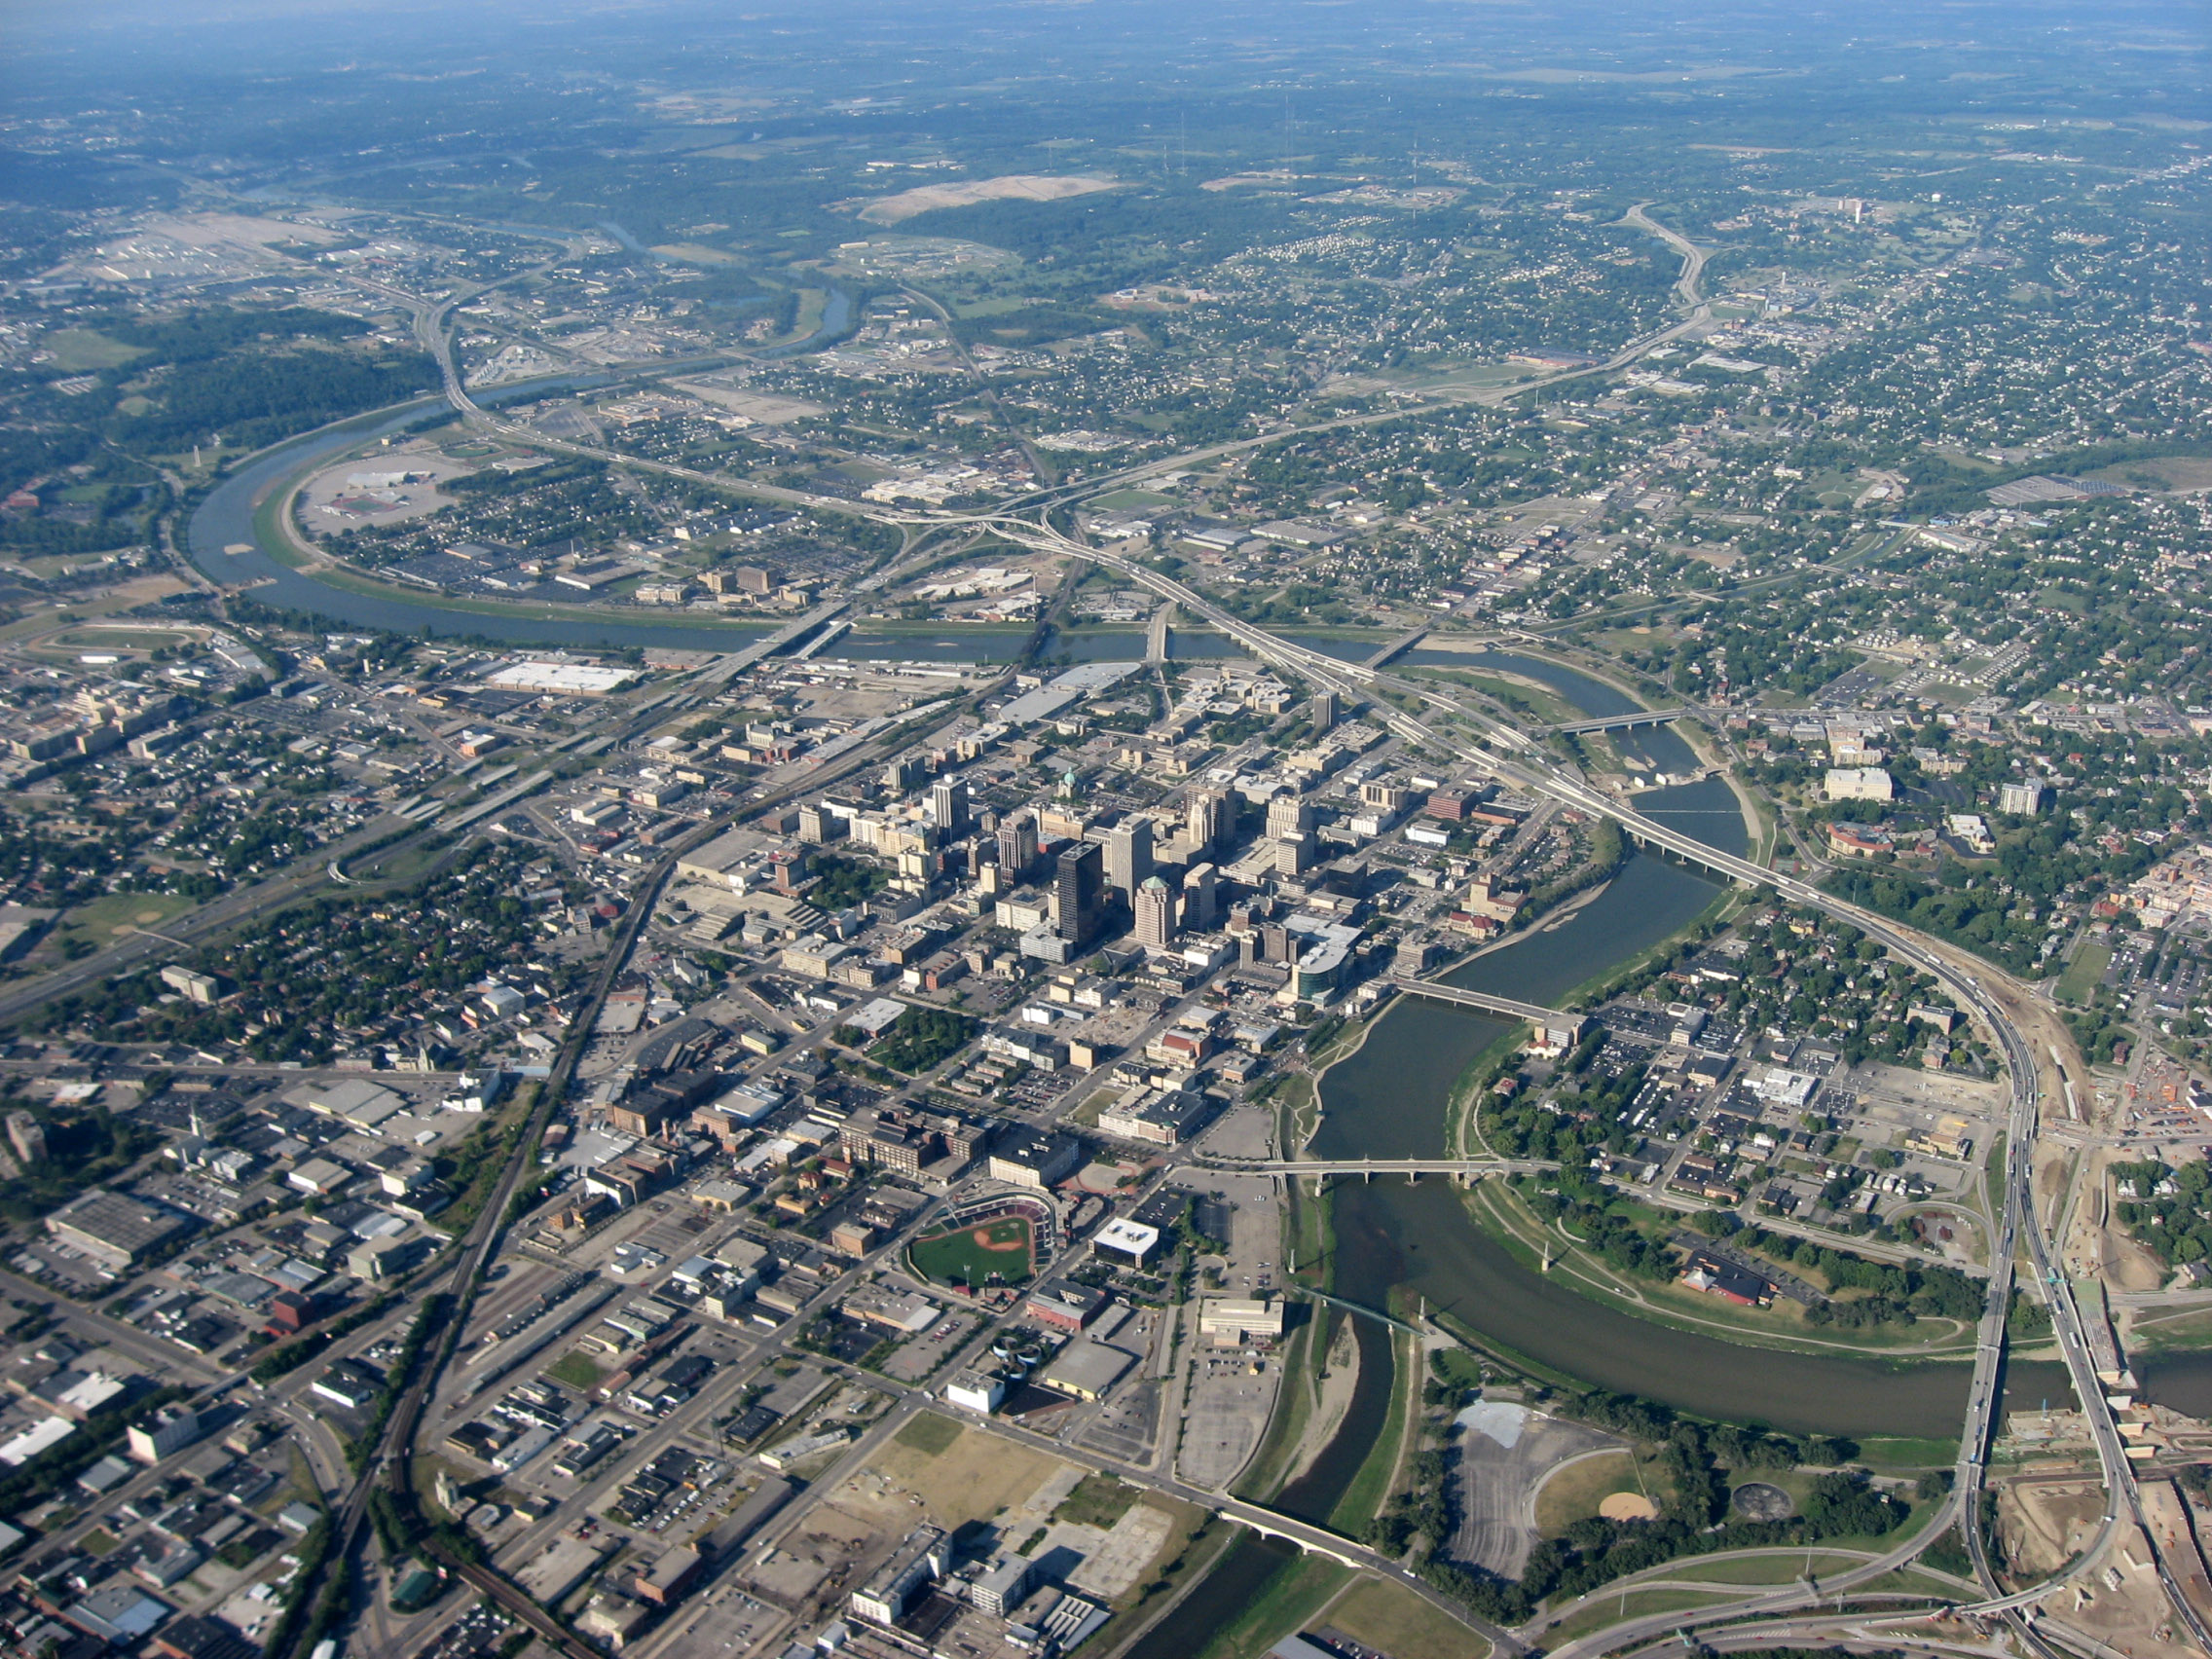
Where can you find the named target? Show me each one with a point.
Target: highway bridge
(1156, 636)
(1402, 644)
(1383, 1166)
(737, 662)
(1622, 723)
(1536, 1014)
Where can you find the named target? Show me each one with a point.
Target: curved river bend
(1389, 1100)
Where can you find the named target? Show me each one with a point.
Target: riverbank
(1554, 1250)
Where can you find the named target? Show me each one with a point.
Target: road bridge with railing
(1380, 1166)
(1536, 1014)
(1402, 644)
(1622, 723)
(737, 662)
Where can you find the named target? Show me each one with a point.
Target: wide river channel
(1389, 1099)
(226, 520)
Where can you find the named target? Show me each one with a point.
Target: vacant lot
(1098, 1500)
(929, 1434)
(956, 1473)
(2084, 972)
(1012, 186)
(975, 1255)
(577, 1369)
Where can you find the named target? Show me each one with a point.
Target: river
(1389, 1099)
(225, 518)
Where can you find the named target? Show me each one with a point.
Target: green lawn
(1098, 1500)
(1767, 1569)
(1392, 1619)
(1002, 305)
(1890, 1454)
(77, 349)
(577, 1369)
(929, 1434)
(1613, 1608)
(973, 1254)
(2085, 972)
(105, 920)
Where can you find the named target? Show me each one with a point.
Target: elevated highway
(728, 668)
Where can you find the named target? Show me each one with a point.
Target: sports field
(972, 1255)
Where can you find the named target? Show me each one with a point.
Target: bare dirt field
(974, 1477)
(1012, 186)
(2041, 1523)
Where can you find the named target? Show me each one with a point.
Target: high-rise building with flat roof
(1287, 816)
(1077, 881)
(948, 806)
(1128, 856)
(1200, 905)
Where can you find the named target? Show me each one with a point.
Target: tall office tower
(1324, 710)
(1288, 816)
(1129, 855)
(1077, 882)
(1155, 912)
(1207, 819)
(1017, 846)
(1199, 902)
(949, 805)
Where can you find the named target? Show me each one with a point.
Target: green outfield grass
(971, 1255)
